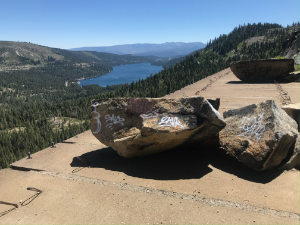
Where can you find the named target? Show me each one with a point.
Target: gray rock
(143, 126)
(263, 70)
(293, 110)
(259, 136)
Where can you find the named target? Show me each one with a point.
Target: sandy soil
(83, 181)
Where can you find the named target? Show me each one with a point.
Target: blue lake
(123, 74)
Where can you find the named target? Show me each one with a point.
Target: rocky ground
(82, 181)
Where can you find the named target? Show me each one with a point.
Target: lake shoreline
(122, 74)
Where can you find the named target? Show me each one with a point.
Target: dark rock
(291, 77)
(215, 103)
(260, 136)
(143, 126)
(263, 70)
(294, 160)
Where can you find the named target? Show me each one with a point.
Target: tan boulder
(143, 126)
(260, 136)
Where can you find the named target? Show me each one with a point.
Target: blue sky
(76, 23)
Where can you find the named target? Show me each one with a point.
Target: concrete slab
(191, 171)
(235, 94)
(59, 158)
(70, 199)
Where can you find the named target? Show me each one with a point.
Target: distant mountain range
(168, 49)
(20, 55)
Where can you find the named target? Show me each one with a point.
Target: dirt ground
(81, 181)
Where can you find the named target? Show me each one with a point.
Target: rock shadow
(170, 165)
(244, 82)
(226, 163)
(188, 162)
(68, 142)
(260, 82)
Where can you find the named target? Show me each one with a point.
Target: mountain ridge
(167, 49)
(25, 53)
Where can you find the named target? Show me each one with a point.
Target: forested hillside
(252, 41)
(38, 108)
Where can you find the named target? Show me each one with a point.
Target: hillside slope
(24, 53)
(43, 73)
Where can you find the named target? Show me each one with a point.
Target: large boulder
(143, 126)
(263, 70)
(260, 136)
